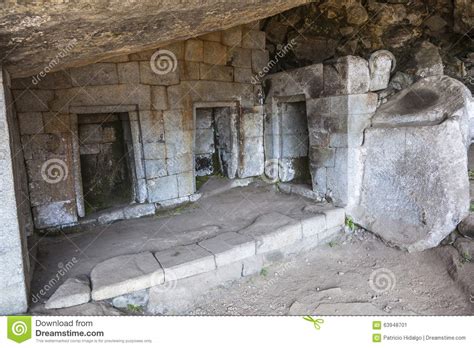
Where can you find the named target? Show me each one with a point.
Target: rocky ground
(356, 274)
(336, 279)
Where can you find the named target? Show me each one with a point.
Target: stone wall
(15, 216)
(205, 71)
(339, 106)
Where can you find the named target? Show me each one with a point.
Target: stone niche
(337, 106)
(160, 132)
(106, 160)
(216, 141)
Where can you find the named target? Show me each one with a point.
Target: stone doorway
(294, 141)
(106, 160)
(215, 149)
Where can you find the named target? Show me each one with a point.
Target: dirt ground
(336, 279)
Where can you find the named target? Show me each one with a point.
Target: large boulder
(415, 186)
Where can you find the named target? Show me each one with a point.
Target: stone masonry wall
(339, 106)
(14, 212)
(214, 68)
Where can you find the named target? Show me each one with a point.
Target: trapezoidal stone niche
(415, 187)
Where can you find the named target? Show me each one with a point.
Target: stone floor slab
(73, 292)
(273, 231)
(184, 261)
(124, 274)
(229, 247)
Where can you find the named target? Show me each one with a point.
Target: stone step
(227, 256)
(73, 292)
(123, 274)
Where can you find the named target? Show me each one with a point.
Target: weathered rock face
(415, 187)
(58, 34)
(331, 28)
(463, 16)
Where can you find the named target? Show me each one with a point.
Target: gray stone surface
(307, 80)
(415, 187)
(428, 61)
(381, 64)
(313, 225)
(427, 102)
(252, 265)
(300, 189)
(346, 75)
(54, 214)
(137, 298)
(138, 210)
(162, 189)
(73, 292)
(229, 247)
(110, 216)
(466, 227)
(185, 261)
(124, 274)
(252, 157)
(465, 246)
(273, 231)
(349, 308)
(14, 276)
(336, 132)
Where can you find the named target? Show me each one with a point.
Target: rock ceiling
(60, 34)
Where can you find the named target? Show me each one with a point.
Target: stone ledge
(184, 261)
(229, 247)
(73, 292)
(123, 274)
(273, 231)
(270, 238)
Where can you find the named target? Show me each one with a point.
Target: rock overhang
(32, 36)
